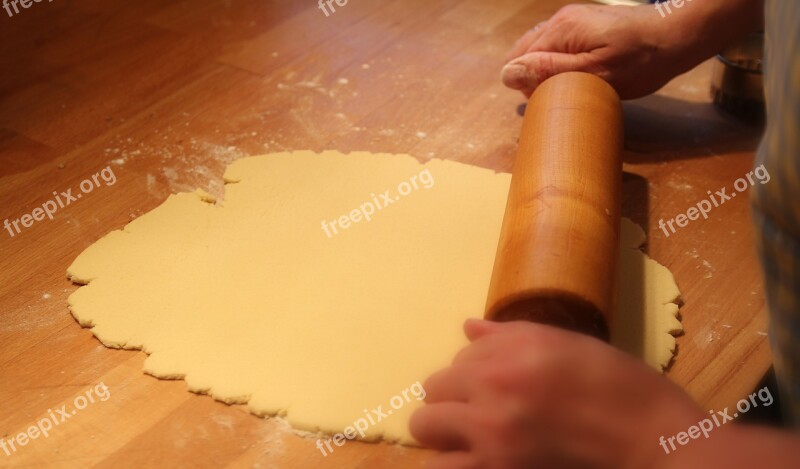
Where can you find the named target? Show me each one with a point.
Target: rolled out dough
(251, 301)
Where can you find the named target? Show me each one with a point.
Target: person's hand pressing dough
(528, 395)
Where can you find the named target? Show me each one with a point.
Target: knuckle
(542, 66)
(569, 12)
(570, 9)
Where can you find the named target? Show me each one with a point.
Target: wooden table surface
(167, 93)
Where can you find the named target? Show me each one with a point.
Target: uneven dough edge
(87, 270)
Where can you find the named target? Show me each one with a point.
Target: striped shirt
(776, 205)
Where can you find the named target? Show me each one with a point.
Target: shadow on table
(631, 289)
(660, 128)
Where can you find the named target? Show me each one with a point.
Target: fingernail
(514, 75)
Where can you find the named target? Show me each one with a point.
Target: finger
(453, 383)
(474, 329)
(500, 339)
(476, 352)
(453, 460)
(488, 338)
(480, 349)
(526, 73)
(528, 39)
(444, 427)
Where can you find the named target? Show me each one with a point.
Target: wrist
(672, 425)
(699, 29)
(703, 453)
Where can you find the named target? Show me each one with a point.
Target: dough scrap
(645, 319)
(249, 300)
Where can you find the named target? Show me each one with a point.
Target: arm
(636, 49)
(528, 395)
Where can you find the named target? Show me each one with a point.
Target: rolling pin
(557, 256)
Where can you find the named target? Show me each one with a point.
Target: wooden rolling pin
(559, 245)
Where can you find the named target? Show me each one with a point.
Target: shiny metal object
(737, 83)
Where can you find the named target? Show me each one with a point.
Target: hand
(626, 46)
(635, 49)
(528, 395)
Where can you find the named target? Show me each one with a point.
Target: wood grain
(559, 243)
(168, 93)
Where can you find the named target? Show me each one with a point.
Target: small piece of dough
(250, 301)
(645, 319)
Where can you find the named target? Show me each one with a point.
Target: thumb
(527, 72)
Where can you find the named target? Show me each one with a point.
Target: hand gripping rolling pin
(557, 257)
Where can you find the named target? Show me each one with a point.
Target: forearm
(741, 446)
(705, 27)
